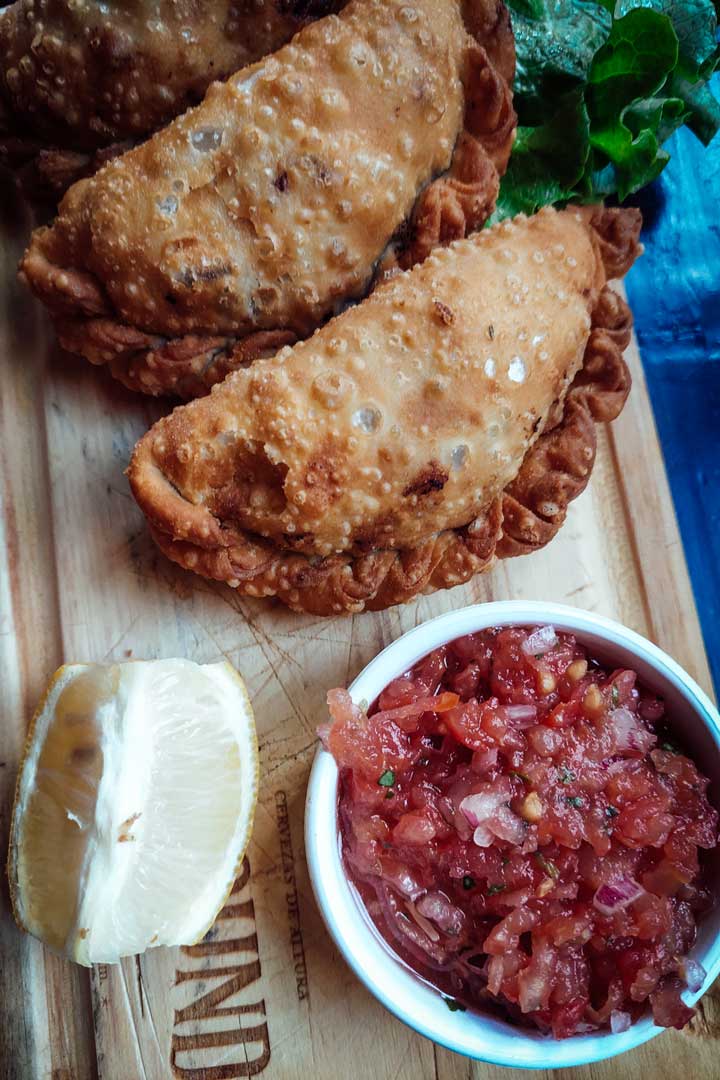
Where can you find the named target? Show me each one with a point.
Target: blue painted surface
(674, 291)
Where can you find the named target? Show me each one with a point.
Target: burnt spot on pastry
(432, 478)
(281, 181)
(445, 314)
(203, 274)
(302, 542)
(319, 170)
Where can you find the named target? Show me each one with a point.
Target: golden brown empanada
(254, 217)
(446, 419)
(81, 81)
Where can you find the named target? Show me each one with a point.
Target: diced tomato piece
(668, 1008)
(466, 681)
(415, 827)
(566, 1018)
(644, 823)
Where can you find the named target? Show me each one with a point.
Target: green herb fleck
(612, 811)
(670, 747)
(505, 860)
(390, 794)
(615, 695)
(548, 865)
(492, 889)
(566, 775)
(468, 882)
(386, 779)
(574, 800)
(454, 1005)
(521, 776)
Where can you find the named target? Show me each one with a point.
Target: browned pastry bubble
(267, 208)
(80, 81)
(446, 420)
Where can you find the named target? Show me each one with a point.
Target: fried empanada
(81, 81)
(446, 420)
(256, 216)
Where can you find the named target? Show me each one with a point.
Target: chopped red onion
(402, 879)
(616, 896)
(629, 734)
(478, 808)
(491, 817)
(496, 974)
(692, 973)
(483, 837)
(540, 641)
(508, 826)
(520, 716)
(619, 1021)
(425, 925)
(484, 760)
(437, 906)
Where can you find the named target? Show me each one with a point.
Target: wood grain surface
(265, 993)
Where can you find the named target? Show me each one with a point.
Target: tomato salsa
(523, 829)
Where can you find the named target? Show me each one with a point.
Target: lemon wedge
(134, 806)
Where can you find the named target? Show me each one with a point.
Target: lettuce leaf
(600, 87)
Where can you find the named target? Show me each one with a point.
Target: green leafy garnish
(612, 811)
(566, 775)
(599, 88)
(548, 865)
(468, 882)
(615, 695)
(492, 889)
(574, 800)
(670, 747)
(386, 779)
(454, 1005)
(390, 794)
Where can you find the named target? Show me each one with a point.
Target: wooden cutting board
(266, 993)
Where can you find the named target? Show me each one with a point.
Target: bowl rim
(350, 928)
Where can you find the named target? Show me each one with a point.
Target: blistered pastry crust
(446, 421)
(81, 82)
(268, 208)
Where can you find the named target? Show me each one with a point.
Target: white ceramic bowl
(475, 1034)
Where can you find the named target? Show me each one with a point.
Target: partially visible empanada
(81, 82)
(253, 218)
(446, 419)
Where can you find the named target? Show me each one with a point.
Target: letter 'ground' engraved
(291, 897)
(201, 1053)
